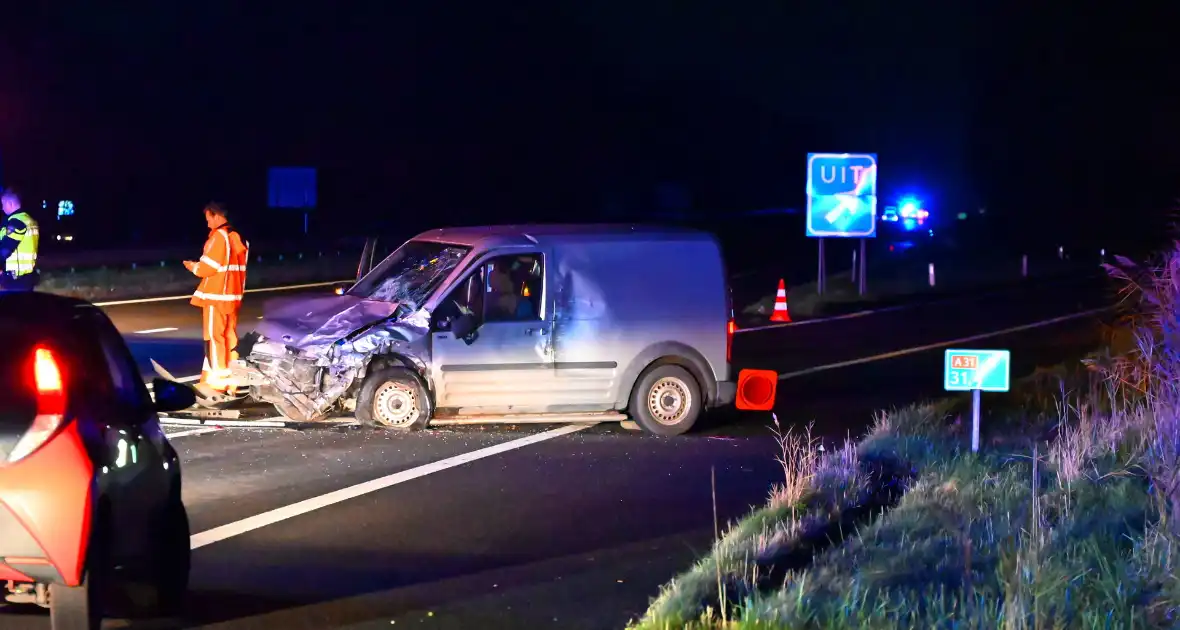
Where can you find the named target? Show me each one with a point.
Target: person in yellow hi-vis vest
(20, 237)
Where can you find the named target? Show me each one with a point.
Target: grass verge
(1068, 517)
(153, 281)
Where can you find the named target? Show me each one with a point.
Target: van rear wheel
(393, 398)
(666, 400)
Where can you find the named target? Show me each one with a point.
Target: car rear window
(17, 400)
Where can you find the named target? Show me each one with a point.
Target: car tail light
(49, 385)
(730, 328)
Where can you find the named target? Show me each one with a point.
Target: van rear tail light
(49, 385)
(730, 329)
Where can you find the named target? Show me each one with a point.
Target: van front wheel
(393, 398)
(666, 400)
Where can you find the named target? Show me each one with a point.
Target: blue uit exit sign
(842, 195)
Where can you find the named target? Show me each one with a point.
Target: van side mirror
(464, 328)
(172, 396)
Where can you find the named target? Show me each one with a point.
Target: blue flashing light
(912, 214)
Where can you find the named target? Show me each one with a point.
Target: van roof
(529, 234)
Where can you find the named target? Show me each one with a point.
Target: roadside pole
(864, 284)
(823, 273)
(975, 421)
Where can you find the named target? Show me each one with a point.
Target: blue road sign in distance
(842, 195)
(292, 187)
(985, 370)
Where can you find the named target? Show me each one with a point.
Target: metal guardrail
(134, 259)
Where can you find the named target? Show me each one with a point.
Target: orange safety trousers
(220, 331)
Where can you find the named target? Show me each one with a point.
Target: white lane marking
(201, 431)
(151, 331)
(824, 320)
(292, 287)
(941, 344)
(277, 515)
(875, 311)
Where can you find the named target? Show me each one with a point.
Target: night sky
(495, 112)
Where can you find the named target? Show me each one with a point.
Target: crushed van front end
(321, 374)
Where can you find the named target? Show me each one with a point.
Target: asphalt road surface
(535, 527)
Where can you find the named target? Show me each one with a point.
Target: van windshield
(410, 273)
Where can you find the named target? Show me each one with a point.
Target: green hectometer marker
(984, 370)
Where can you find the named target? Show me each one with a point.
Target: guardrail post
(930, 274)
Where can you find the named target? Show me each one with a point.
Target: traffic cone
(780, 314)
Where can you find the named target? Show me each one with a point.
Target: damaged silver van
(546, 323)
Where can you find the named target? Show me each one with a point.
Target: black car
(89, 486)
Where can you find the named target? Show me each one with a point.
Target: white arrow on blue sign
(842, 195)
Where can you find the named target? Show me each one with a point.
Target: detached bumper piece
(244, 416)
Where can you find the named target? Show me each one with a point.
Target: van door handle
(539, 331)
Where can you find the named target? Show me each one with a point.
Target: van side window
(513, 288)
(466, 297)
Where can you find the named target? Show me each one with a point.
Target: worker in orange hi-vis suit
(222, 270)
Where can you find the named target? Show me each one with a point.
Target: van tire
(666, 400)
(393, 398)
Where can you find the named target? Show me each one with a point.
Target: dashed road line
(941, 344)
(201, 431)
